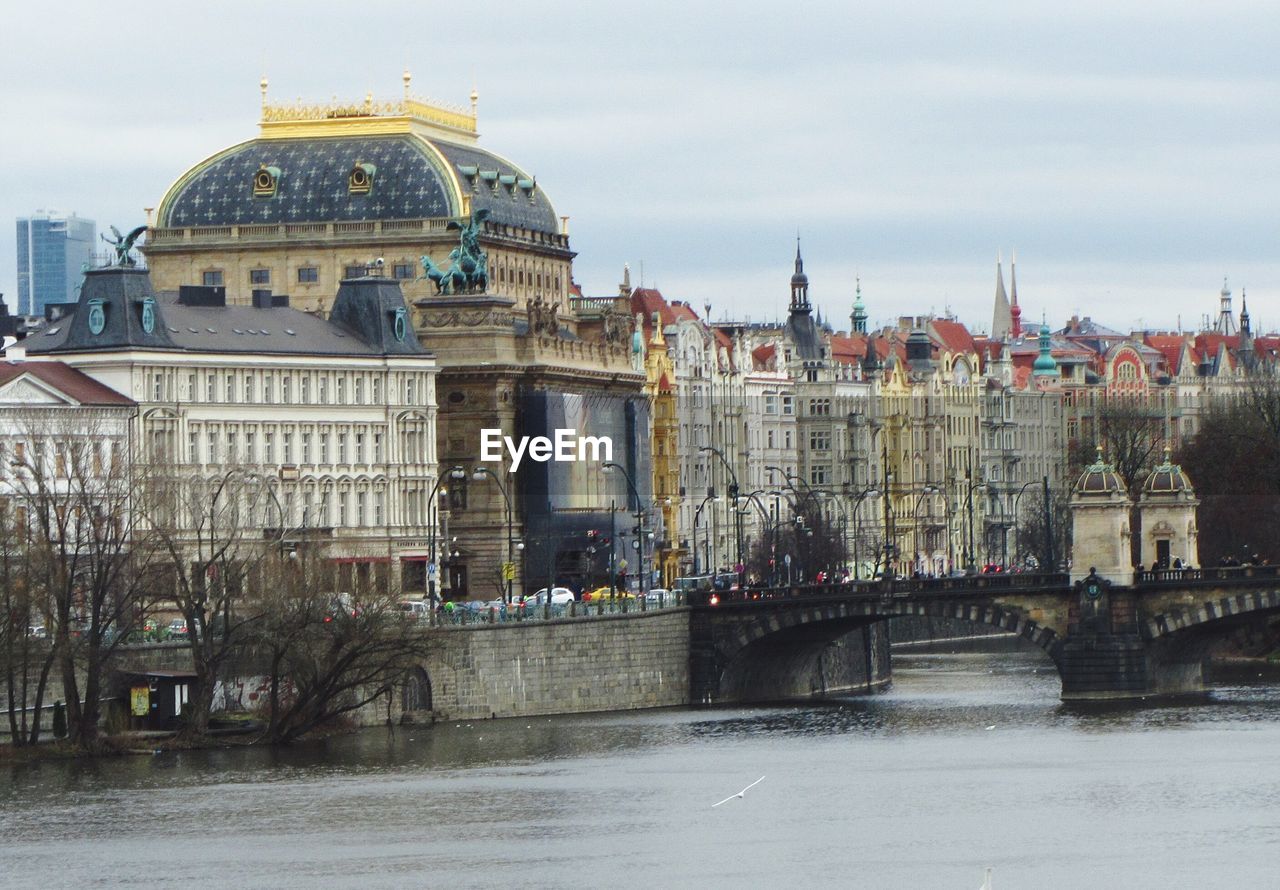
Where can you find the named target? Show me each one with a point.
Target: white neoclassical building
(335, 417)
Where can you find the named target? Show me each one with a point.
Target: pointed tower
(799, 285)
(1045, 368)
(859, 316)
(1015, 311)
(1000, 319)
(1246, 351)
(624, 289)
(1226, 323)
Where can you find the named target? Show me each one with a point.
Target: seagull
(740, 793)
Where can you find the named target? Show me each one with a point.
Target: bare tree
(206, 528)
(71, 488)
(329, 652)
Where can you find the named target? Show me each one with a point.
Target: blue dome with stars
(351, 179)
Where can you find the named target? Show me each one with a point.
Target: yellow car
(603, 595)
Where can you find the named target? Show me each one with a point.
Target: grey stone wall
(606, 663)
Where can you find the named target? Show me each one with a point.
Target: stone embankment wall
(605, 663)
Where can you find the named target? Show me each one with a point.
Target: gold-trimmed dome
(1100, 478)
(1168, 478)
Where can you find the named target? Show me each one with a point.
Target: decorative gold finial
(475, 99)
(262, 84)
(406, 77)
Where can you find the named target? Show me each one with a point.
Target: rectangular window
(193, 447)
(259, 276)
(788, 405)
(377, 448)
(359, 448)
(213, 447)
(360, 499)
(191, 387)
(250, 447)
(360, 390)
(342, 390)
(158, 392)
(268, 447)
(308, 275)
(287, 390)
(306, 448)
(408, 391)
(287, 442)
(377, 390)
(306, 389)
(212, 278)
(402, 271)
(819, 475)
(248, 389)
(820, 440)
(354, 272)
(342, 448)
(324, 448)
(324, 390)
(378, 506)
(266, 388)
(770, 403)
(231, 387)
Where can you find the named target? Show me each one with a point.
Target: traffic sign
(432, 571)
(508, 571)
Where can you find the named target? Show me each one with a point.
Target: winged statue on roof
(123, 244)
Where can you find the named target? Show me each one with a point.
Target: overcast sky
(1127, 152)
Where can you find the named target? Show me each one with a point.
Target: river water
(968, 761)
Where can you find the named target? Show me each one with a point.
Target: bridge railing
(492, 613)
(975, 585)
(1209, 575)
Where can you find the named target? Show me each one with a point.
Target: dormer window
(360, 179)
(265, 182)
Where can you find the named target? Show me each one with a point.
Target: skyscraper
(52, 251)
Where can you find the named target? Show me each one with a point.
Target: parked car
(560, 596)
(605, 594)
(415, 609)
(177, 629)
(37, 632)
(660, 597)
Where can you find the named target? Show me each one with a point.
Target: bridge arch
(794, 650)
(1213, 616)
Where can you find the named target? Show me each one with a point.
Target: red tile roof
(74, 384)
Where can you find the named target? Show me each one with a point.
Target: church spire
(1015, 311)
(859, 316)
(1000, 319)
(799, 284)
(1226, 323)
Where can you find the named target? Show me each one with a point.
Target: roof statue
(468, 273)
(123, 244)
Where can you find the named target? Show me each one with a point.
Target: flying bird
(740, 793)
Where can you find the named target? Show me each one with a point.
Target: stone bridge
(1106, 641)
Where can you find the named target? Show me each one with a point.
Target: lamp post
(610, 465)
(867, 492)
(915, 515)
(508, 569)
(433, 512)
(697, 514)
(733, 499)
(968, 506)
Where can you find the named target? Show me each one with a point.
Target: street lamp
(733, 499)
(508, 569)
(915, 515)
(433, 513)
(873, 492)
(968, 506)
(697, 514)
(639, 544)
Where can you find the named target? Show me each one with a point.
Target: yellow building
(660, 375)
(325, 191)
